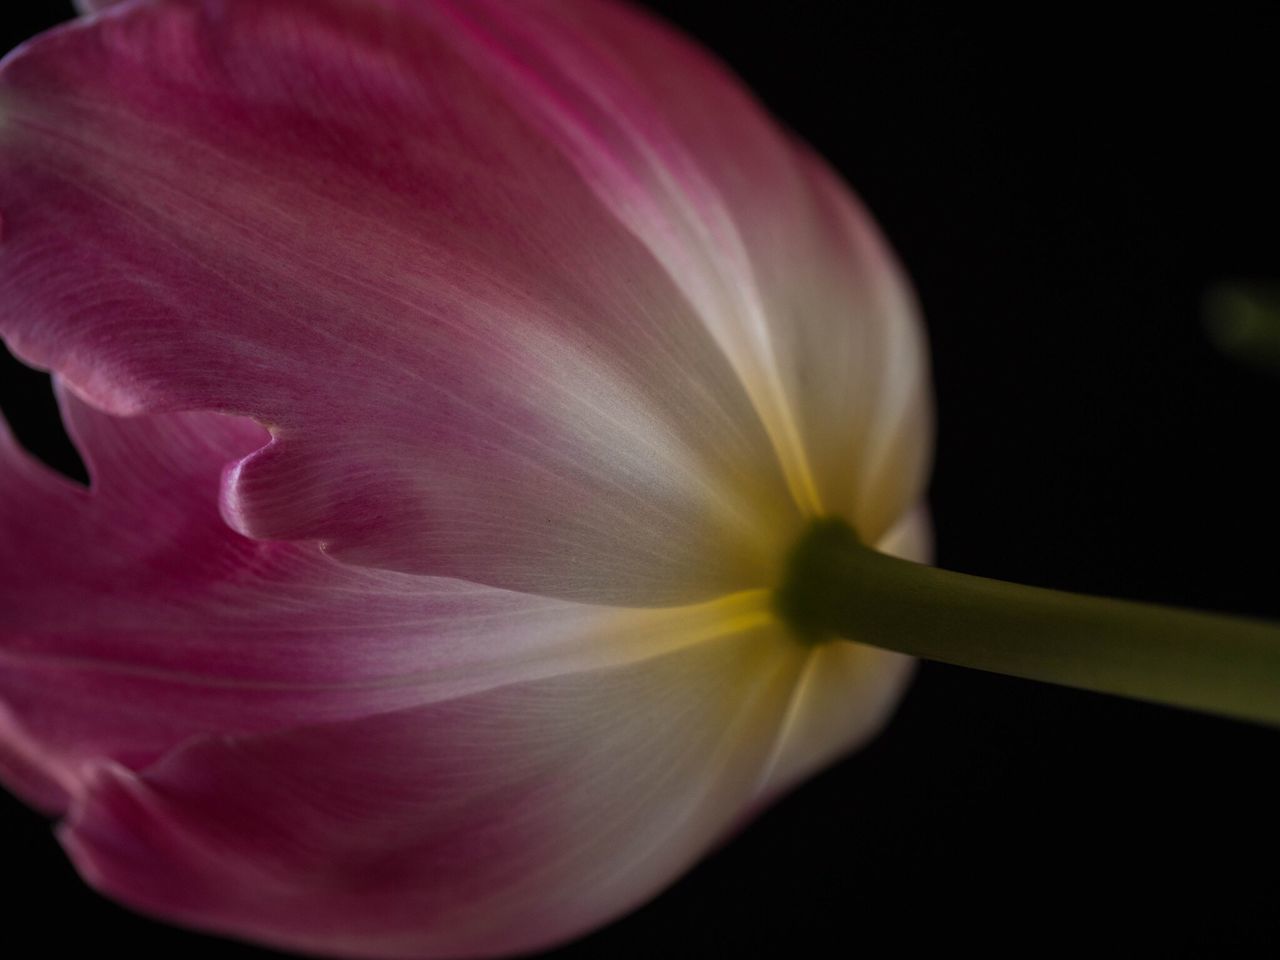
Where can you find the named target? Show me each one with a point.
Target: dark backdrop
(1062, 187)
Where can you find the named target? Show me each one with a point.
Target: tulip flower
(556, 341)
(507, 451)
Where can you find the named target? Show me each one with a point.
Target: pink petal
(530, 293)
(326, 216)
(134, 619)
(786, 269)
(501, 822)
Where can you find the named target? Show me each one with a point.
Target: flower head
(453, 378)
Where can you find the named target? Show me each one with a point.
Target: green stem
(838, 587)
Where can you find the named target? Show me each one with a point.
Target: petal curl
(324, 215)
(135, 619)
(592, 312)
(501, 822)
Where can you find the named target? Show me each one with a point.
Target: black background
(1062, 186)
